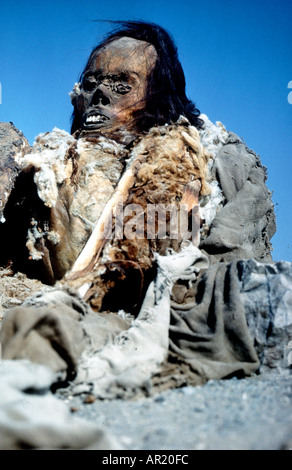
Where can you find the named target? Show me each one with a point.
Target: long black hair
(166, 98)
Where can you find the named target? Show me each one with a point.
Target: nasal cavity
(100, 98)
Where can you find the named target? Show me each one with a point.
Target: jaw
(118, 127)
(95, 121)
(110, 128)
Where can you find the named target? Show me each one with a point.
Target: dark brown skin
(114, 87)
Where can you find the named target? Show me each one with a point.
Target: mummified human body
(111, 155)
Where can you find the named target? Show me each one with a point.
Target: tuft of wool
(213, 137)
(48, 161)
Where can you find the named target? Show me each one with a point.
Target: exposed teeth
(96, 118)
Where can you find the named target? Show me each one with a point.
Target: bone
(190, 202)
(97, 240)
(191, 195)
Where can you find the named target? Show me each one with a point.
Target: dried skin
(80, 204)
(74, 179)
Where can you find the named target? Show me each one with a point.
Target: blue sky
(237, 58)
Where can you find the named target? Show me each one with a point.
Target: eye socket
(88, 84)
(122, 88)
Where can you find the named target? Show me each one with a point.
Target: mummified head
(114, 86)
(132, 81)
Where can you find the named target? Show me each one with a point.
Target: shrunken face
(115, 85)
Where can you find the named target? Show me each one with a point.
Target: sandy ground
(247, 414)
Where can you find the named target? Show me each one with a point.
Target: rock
(266, 291)
(12, 144)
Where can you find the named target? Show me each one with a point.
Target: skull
(114, 87)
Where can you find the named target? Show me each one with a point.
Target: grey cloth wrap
(243, 228)
(235, 320)
(53, 328)
(45, 329)
(208, 326)
(31, 417)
